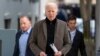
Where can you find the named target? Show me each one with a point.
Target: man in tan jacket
(48, 31)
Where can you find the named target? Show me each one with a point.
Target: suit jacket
(38, 38)
(17, 51)
(78, 44)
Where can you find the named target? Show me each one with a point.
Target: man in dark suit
(48, 31)
(76, 38)
(22, 38)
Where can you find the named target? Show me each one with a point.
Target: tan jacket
(38, 39)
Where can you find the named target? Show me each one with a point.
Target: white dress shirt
(72, 35)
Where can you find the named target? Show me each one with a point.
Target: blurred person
(62, 15)
(48, 31)
(76, 38)
(22, 37)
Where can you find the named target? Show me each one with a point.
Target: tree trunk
(86, 8)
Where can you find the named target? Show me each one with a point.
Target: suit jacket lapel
(57, 26)
(27, 46)
(75, 35)
(18, 35)
(29, 37)
(45, 29)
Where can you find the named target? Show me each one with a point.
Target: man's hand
(59, 53)
(42, 54)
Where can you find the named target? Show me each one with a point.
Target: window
(7, 23)
(32, 1)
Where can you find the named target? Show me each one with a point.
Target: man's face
(51, 12)
(25, 23)
(72, 24)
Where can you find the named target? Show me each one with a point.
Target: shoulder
(79, 33)
(19, 32)
(61, 22)
(39, 22)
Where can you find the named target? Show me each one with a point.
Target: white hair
(52, 4)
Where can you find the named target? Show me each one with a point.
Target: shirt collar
(73, 31)
(48, 21)
(28, 31)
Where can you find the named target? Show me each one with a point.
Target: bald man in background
(48, 31)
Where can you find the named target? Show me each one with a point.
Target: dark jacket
(62, 15)
(16, 50)
(77, 45)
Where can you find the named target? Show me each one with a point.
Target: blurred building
(10, 10)
(73, 7)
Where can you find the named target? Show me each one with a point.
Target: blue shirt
(23, 42)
